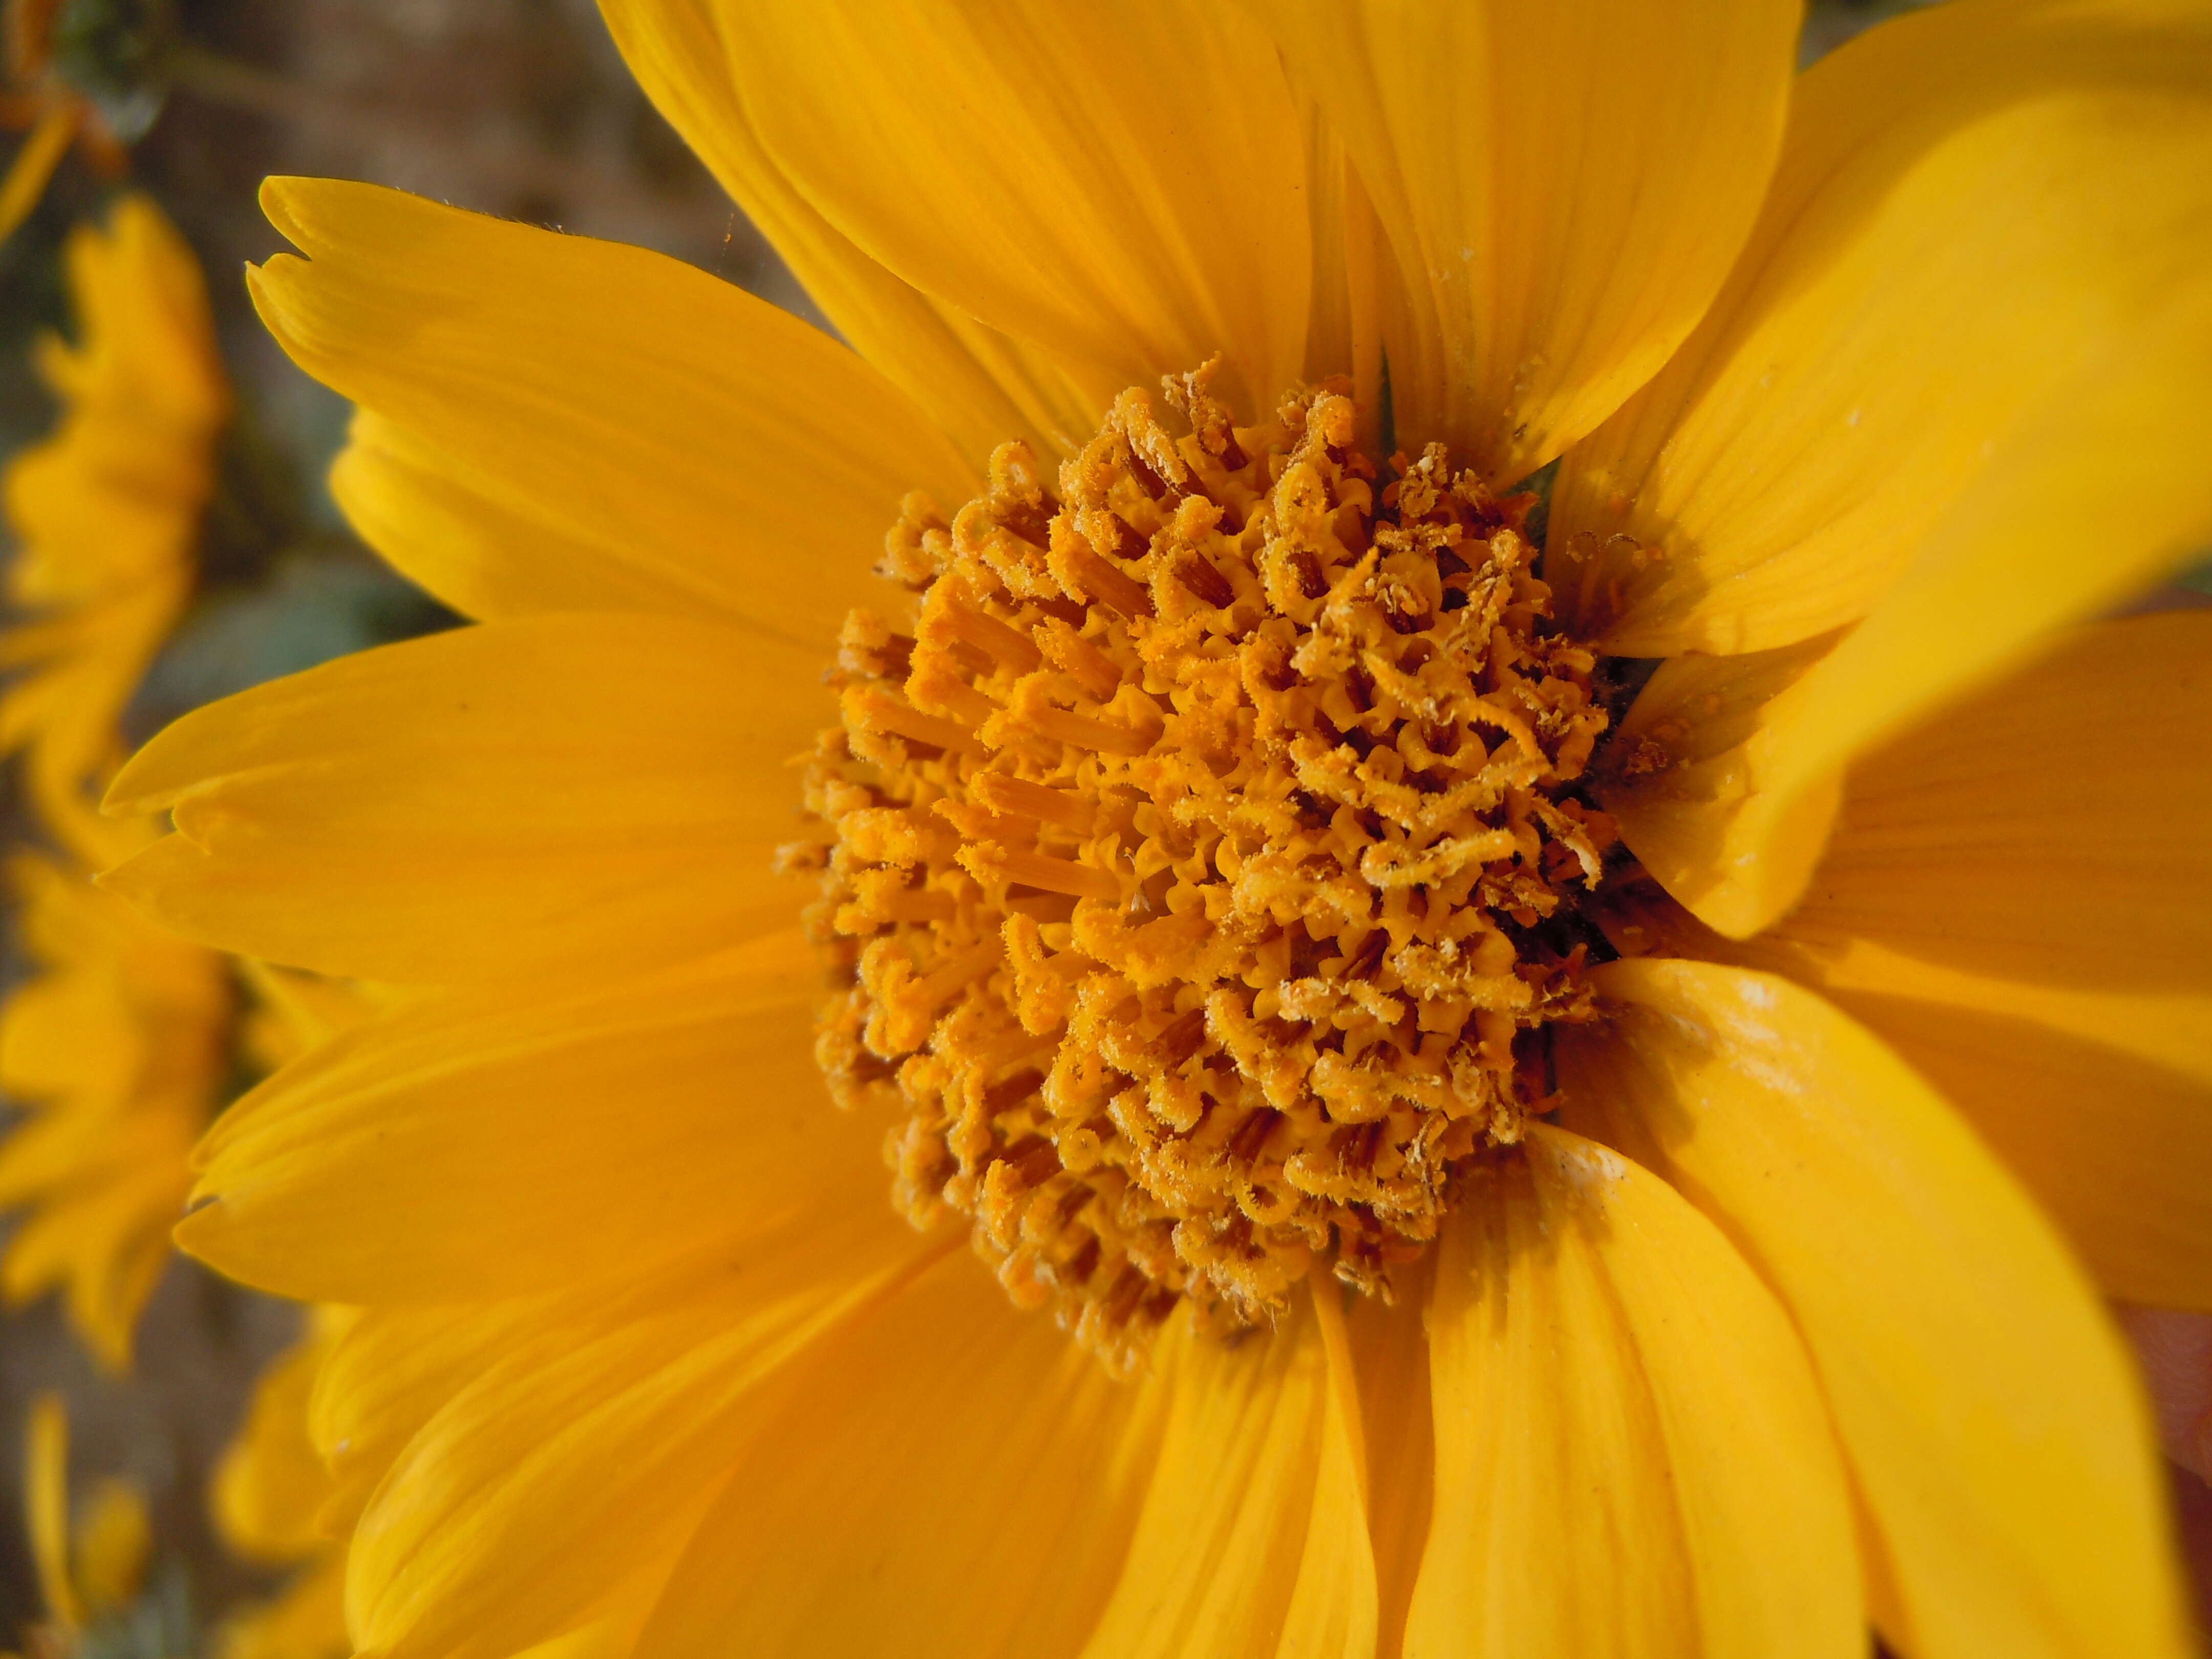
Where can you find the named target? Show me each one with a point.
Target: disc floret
(1200, 860)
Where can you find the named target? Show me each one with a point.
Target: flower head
(1479, 1084)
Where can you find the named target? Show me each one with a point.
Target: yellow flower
(1514, 1243)
(105, 513)
(117, 1043)
(114, 1050)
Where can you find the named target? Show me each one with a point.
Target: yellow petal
(304, 1620)
(1699, 780)
(499, 802)
(588, 1451)
(1969, 340)
(1631, 1456)
(1565, 186)
(271, 1482)
(114, 1536)
(2016, 899)
(1990, 1413)
(1252, 1539)
(46, 1507)
(1390, 1353)
(985, 1469)
(389, 1370)
(448, 1149)
(980, 386)
(737, 460)
(1122, 186)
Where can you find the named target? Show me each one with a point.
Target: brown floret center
(1202, 858)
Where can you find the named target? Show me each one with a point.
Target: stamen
(1203, 835)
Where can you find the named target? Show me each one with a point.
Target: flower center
(1204, 859)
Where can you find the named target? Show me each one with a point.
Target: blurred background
(516, 107)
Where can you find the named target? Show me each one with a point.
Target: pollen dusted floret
(1198, 859)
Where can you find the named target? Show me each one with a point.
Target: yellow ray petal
(980, 386)
(304, 1620)
(1984, 216)
(588, 1451)
(389, 1371)
(1986, 1406)
(46, 1507)
(1252, 1539)
(486, 550)
(1122, 185)
(1631, 1456)
(34, 164)
(271, 1482)
(668, 422)
(1390, 1353)
(2017, 898)
(986, 1471)
(1693, 775)
(1564, 184)
(505, 801)
(446, 1150)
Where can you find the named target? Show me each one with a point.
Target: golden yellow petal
(1564, 184)
(1253, 1518)
(1989, 1410)
(389, 1370)
(981, 386)
(448, 1150)
(105, 512)
(271, 1482)
(1620, 1403)
(304, 1620)
(2016, 898)
(1122, 185)
(46, 1507)
(1390, 1354)
(506, 801)
(586, 1452)
(1968, 340)
(112, 1540)
(985, 1470)
(665, 420)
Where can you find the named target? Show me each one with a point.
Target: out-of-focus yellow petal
(1120, 182)
(2017, 899)
(1255, 1512)
(448, 1150)
(1631, 1455)
(1987, 1406)
(505, 1522)
(508, 801)
(112, 1540)
(1565, 186)
(304, 1620)
(712, 449)
(112, 1050)
(105, 512)
(33, 163)
(46, 1507)
(271, 1482)
(1952, 346)
(986, 1471)
(981, 386)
